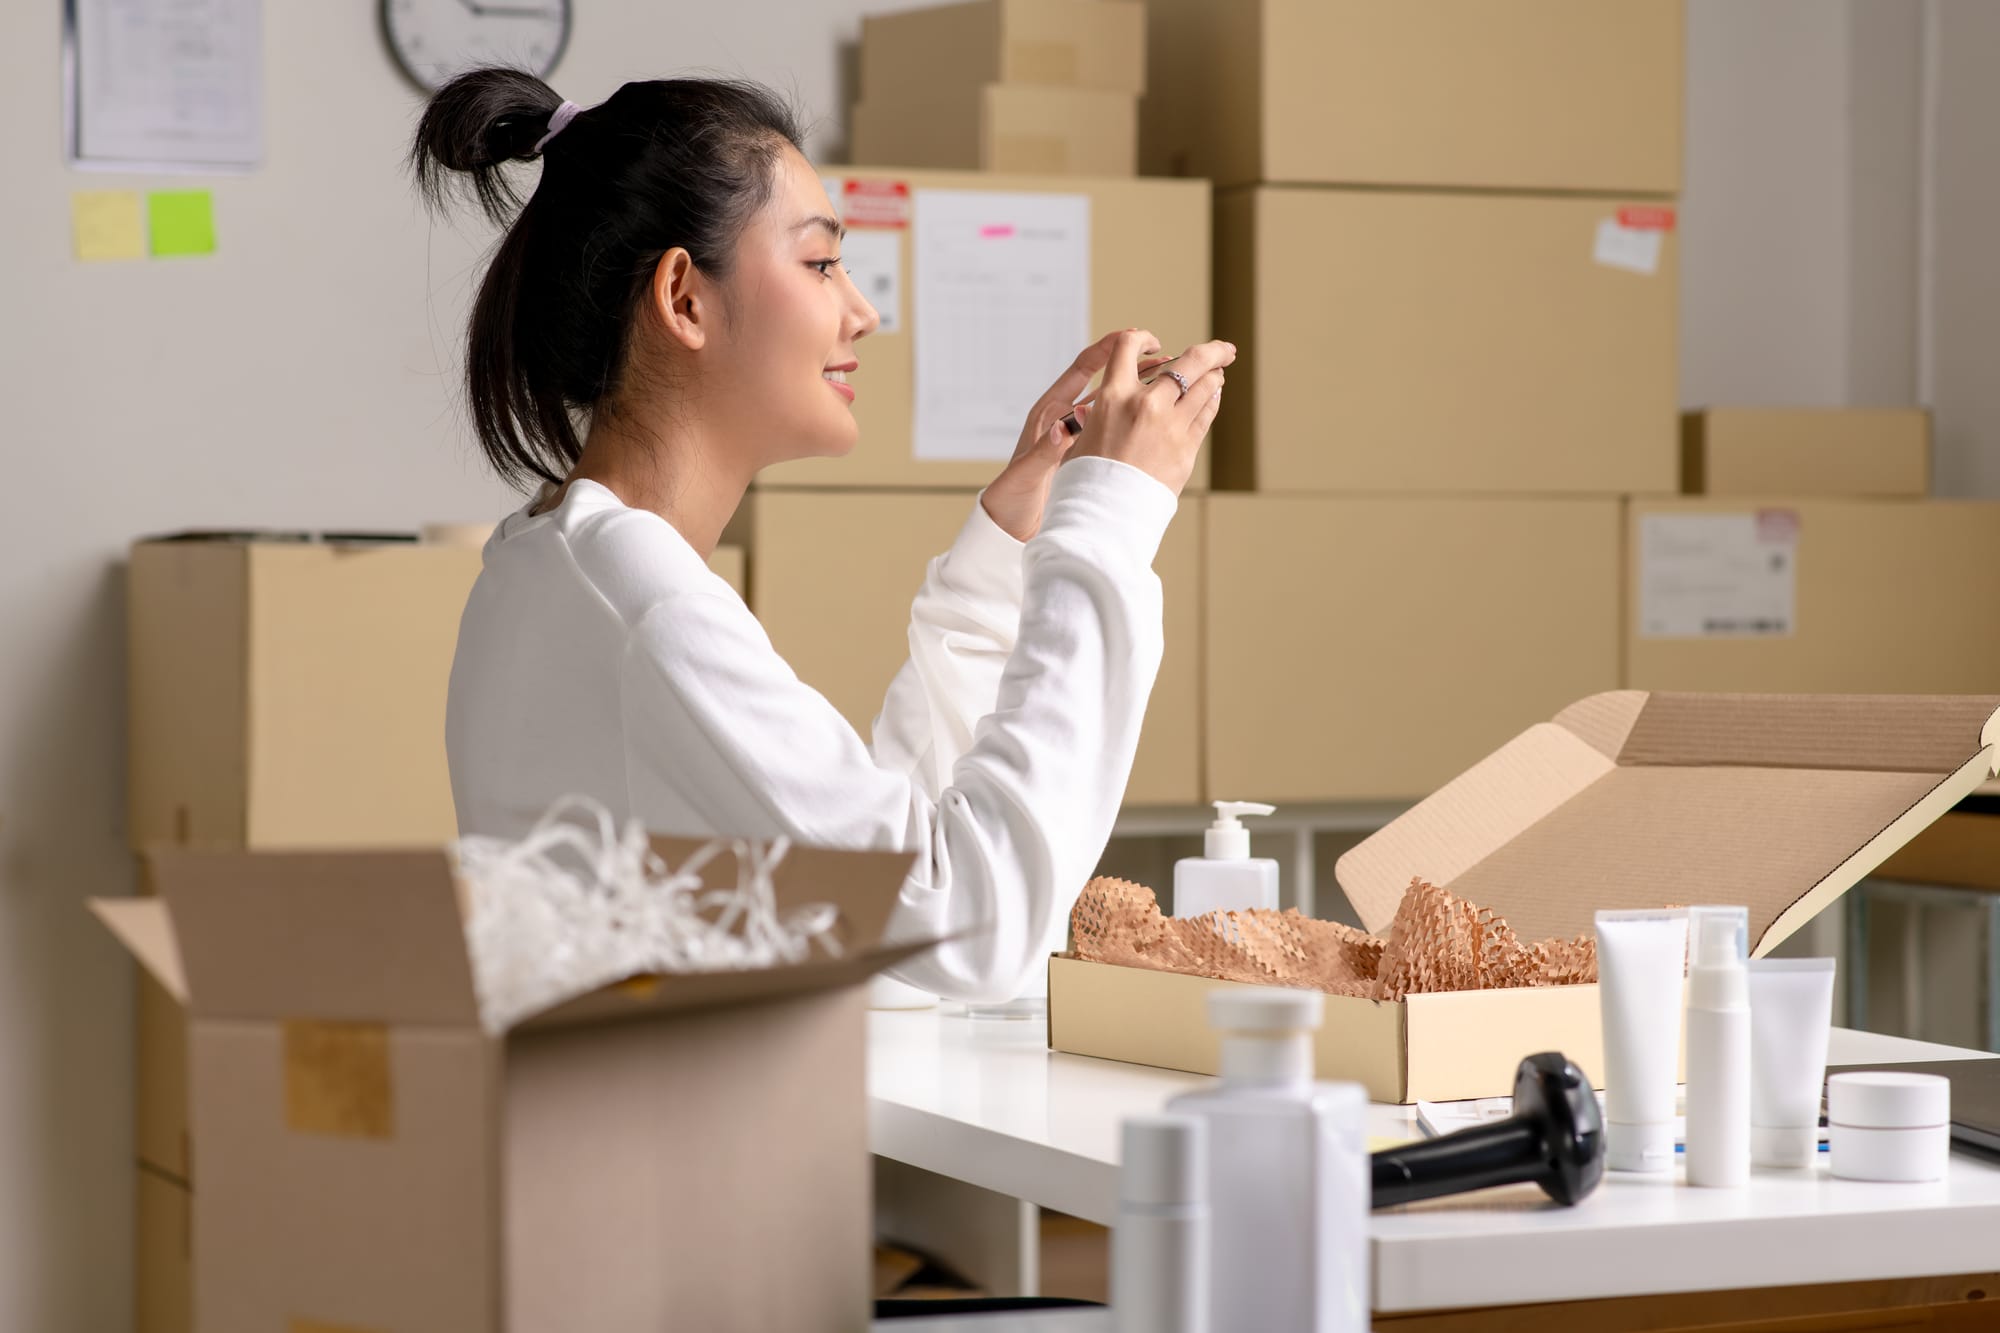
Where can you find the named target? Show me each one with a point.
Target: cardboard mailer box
(1368, 648)
(1626, 800)
(369, 1157)
(1148, 257)
(1008, 127)
(843, 624)
(927, 57)
(1560, 95)
(1448, 343)
(1851, 451)
(1793, 594)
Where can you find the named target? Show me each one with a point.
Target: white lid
(1274, 1010)
(1884, 1099)
(1639, 1147)
(1227, 839)
(1784, 1145)
(1164, 1161)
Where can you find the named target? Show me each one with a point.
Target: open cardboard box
(683, 1151)
(1625, 800)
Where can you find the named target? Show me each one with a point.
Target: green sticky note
(182, 222)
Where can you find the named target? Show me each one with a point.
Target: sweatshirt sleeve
(714, 715)
(962, 628)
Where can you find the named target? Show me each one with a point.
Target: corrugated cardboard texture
(1529, 95)
(390, 1234)
(1426, 1047)
(288, 695)
(1002, 127)
(1149, 254)
(924, 57)
(1807, 451)
(1362, 649)
(1445, 343)
(745, 1188)
(1781, 804)
(843, 624)
(337, 1079)
(162, 1290)
(1894, 597)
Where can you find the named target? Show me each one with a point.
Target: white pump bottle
(1226, 878)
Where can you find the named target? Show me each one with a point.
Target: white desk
(988, 1104)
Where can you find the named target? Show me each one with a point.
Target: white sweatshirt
(600, 655)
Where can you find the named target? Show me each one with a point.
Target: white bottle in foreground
(1226, 878)
(1718, 1047)
(1288, 1172)
(1160, 1247)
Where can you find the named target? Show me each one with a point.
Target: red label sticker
(875, 203)
(1646, 217)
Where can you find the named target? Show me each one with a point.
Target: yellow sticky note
(182, 222)
(106, 224)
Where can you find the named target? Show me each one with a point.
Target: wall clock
(435, 39)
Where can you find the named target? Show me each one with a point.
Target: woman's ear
(682, 299)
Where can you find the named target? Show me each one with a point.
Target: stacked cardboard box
(283, 694)
(1445, 245)
(1806, 556)
(1047, 87)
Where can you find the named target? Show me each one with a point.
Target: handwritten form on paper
(1001, 307)
(169, 82)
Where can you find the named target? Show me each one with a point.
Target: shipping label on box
(1719, 575)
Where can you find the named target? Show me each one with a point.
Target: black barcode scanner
(1554, 1139)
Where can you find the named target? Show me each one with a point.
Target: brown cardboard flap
(1779, 802)
(344, 936)
(143, 926)
(646, 996)
(864, 886)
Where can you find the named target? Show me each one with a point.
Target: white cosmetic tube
(1641, 958)
(1791, 1021)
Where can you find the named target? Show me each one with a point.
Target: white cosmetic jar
(1888, 1126)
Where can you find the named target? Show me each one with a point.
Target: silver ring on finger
(1180, 380)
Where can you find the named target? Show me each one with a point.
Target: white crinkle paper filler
(578, 904)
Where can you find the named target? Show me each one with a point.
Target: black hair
(664, 163)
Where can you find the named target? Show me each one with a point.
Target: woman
(674, 285)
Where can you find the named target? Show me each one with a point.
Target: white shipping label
(1634, 249)
(1001, 306)
(874, 260)
(1719, 576)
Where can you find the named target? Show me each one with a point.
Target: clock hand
(513, 12)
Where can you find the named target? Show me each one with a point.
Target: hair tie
(562, 116)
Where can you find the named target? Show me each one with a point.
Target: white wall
(1799, 217)
(1964, 361)
(301, 378)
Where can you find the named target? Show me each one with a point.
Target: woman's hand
(1016, 497)
(1157, 427)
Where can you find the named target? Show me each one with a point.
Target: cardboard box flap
(646, 996)
(143, 926)
(339, 936)
(1780, 802)
(864, 886)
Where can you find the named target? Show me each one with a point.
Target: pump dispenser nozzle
(1227, 839)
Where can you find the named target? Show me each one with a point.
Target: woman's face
(773, 372)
